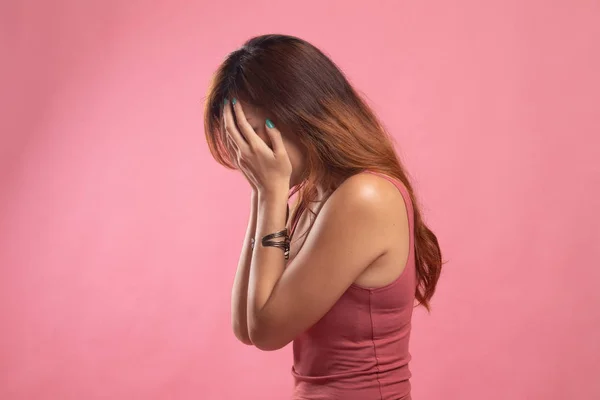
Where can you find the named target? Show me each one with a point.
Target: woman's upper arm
(348, 235)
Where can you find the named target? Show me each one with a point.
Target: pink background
(119, 235)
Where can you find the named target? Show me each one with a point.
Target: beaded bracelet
(268, 242)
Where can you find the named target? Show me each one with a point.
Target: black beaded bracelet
(282, 244)
(287, 216)
(282, 233)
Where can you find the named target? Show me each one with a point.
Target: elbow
(242, 335)
(266, 339)
(265, 344)
(245, 340)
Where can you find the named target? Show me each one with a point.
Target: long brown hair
(304, 91)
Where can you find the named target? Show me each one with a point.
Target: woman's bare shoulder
(372, 188)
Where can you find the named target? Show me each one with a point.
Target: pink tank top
(359, 349)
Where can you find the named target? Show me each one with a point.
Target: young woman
(338, 276)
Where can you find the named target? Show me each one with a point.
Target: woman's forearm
(239, 293)
(268, 263)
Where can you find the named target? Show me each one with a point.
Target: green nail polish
(270, 124)
(234, 101)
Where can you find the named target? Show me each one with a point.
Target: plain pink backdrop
(119, 235)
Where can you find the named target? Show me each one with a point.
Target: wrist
(272, 210)
(273, 195)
